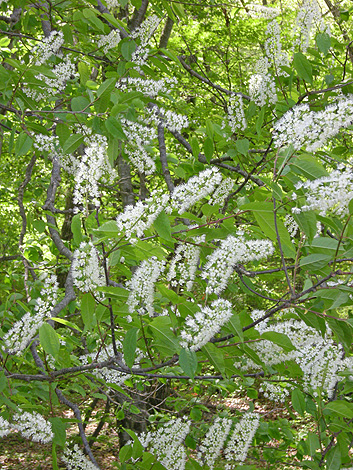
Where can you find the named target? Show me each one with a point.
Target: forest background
(176, 228)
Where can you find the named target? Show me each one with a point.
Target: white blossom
(308, 16)
(138, 137)
(5, 427)
(33, 426)
(236, 115)
(273, 48)
(49, 46)
(148, 87)
(213, 442)
(135, 220)
(86, 271)
(242, 436)
(301, 127)
(166, 443)
(207, 322)
(276, 392)
(221, 263)
(92, 167)
(21, 333)
(291, 225)
(255, 10)
(329, 194)
(262, 89)
(223, 191)
(109, 41)
(141, 285)
(104, 373)
(196, 188)
(182, 270)
(320, 358)
(63, 71)
(75, 459)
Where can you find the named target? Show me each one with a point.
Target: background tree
(176, 200)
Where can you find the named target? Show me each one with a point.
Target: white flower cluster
(144, 33)
(108, 375)
(213, 442)
(91, 167)
(183, 267)
(75, 459)
(19, 336)
(276, 392)
(320, 359)
(273, 48)
(166, 443)
(221, 263)
(256, 315)
(260, 11)
(172, 121)
(109, 41)
(136, 219)
(236, 115)
(111, 4)
(243, 434)
(328, 194)
(86, 272)
(223, 190)
(291, 225)
(5, 427)
(308, 15)
(148, 87)
(138, 136)
(196, 188)
(33, 426)
(262, 89)
(302, 127)
(205, 324)
(49, 46)
(63, 71)
(141, 285)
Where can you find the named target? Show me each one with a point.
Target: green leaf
(66, 323)
(72, 143)
(208, 149)
(125, 453)
(340, 408)
(333, 461)
(162, 226)
(215, 357)
(79, 103)
(315, 261)
(280, 339)
(195, 147)
(76, 229)
(323, 42)
(235, 325)
(54, 457)
(188, 362)
(114, 127)
(263, 213)
(166, 341)
(127, 49)
(23, 144)
(59, 430)
(88, 305)
(129, 346)
(107, 86)
(313, 443)
(298, 401)
(209, 129)
(115, 292)
(242, 146)
(303, 67)
(49, 340)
